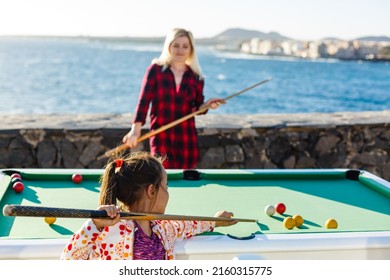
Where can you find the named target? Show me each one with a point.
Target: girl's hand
(225, 214)
(112, 211)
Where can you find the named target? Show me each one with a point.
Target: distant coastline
(368, 48)
(229, 36)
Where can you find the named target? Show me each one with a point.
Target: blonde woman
(173, 85)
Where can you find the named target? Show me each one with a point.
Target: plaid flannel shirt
(180, 143)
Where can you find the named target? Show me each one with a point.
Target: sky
(298, 19)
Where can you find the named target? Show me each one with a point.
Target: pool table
(358, 200)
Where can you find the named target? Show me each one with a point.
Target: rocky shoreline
(312, 140)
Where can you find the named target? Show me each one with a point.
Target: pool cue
(176, 122)
(38, 211)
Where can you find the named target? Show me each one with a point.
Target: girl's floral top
(116, 242)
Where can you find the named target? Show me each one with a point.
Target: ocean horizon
(80, 76)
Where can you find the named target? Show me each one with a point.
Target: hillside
(374, 38)
(244, 34)
(240, 34)
(233, 37)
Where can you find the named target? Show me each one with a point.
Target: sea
(43, 75)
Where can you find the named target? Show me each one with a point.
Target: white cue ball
(269, 210)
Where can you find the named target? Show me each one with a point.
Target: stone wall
(340, 140)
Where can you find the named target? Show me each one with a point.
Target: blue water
(89, 76)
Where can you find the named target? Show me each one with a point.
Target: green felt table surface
(359, 204)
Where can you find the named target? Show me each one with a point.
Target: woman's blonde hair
(165, 57)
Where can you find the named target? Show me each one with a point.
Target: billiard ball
(298, 220)
(16, 175)
(280, 208)
(269, 210)
(289, 223)
(77, 178)
(18, 187)
(15, 179)
(50, 220)
(331, 223)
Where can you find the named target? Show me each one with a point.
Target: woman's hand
(131, 138)
(112, 211)
(225, 214)
(214, 103)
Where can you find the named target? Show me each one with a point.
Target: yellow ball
(289, 223)
(298, 220)
(331, 223)
(50, 220)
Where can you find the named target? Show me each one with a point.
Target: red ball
(280, 208)
(18, 187)
(16, 175)
(77, 178)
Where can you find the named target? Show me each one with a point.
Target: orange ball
(50, 220)
(331, 223)
(289, 223)
(298, 220)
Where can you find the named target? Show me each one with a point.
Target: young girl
(139, 183)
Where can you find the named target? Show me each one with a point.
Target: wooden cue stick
(38, 211)
(176, 122)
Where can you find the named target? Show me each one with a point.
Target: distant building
(315, 49)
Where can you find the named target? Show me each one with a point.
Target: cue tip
(7, 210)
